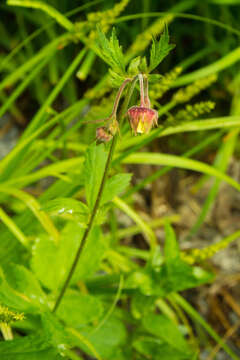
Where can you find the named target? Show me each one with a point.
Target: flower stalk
(105, 133)
(100, 192)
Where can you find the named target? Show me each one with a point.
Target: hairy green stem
(89, 227)
(96, 205)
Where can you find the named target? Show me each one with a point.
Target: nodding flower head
(142, 119)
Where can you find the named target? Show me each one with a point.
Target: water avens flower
(142, 118)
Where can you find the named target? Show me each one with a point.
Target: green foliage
(24, 282)
(32, 347)
(111, 51)
(94, 166)
(152, 347)
(90, 309)
(61, 256)
(164, 329)
(96, 157)
(107, 338)
(122, 301)
(159, 50)
(115, 186)
(68, 208)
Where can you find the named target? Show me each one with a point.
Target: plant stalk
(96, 205)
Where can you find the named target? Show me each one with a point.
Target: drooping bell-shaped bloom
(142, 118)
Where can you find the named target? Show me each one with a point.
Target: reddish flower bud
(102, 134)
(142, 119)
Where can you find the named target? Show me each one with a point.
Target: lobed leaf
(111, 51)
(159, 50)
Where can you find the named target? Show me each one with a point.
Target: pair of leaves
(111, 52)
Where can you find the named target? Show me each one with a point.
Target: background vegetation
(151, 282)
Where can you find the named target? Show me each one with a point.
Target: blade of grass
(22, 86)
(35, 207)
(197, 318)
(48, 9)
(217, 23)
(45, 51)
(219, 65)
(183, 163)
(14, 228)
(199, 147)
(7, 58)
(221, 163)
(146, 229)
(54, 170)
(37, 120)
(25, 142)
(196, 125)
(222, 160)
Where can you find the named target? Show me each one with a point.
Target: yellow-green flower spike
(187, 93)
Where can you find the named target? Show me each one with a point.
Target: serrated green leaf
(115, 185)
(96, 157)
(117, 53)
(78, 309)
(159, 50)
(111, 51)
(69, 209)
